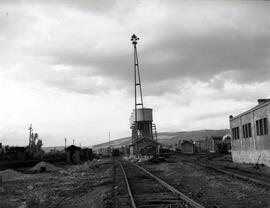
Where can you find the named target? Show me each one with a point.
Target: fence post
(1, 185)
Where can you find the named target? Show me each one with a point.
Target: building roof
(216, 138)
(17, 149)
(151, 140)
(187, 141)
(73, 147)
(261, 103)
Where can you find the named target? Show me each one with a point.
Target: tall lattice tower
(141, 118)
(137, 77)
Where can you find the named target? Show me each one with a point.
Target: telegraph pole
(109, 139)
(30, 134)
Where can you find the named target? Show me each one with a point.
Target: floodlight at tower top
(134, 39)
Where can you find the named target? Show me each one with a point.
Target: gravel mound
(9, 175)
(47, 166)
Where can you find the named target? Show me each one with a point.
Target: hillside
(169, 138)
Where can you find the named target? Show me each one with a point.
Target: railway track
(239, 174)
(234, 172)
(140, 188)
(208, 187)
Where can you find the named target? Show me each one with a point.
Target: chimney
(260, 101)
(231, 117)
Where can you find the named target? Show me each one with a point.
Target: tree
(39, 145)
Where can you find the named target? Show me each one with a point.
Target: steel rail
(230, 172)
(128, 187)
(172, 189)
(236, 175)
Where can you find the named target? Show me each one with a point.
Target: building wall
(187, 148)
(254, 148)
(73, 157)
(68, 156)
(210, 144)
(76, 157)
(201, 146)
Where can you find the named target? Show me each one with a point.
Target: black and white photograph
(134, 104)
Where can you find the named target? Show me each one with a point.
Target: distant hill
(169, 138)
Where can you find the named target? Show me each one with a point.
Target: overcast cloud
(66, 66)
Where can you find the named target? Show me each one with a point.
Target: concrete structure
(73, 154)
(187, 147)
(250, 135)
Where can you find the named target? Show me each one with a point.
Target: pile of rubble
(44, 166)
(9, 175)
(85, 169)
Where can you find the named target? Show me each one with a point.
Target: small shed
(1, 150)
(16, 153)
(213, 143)
(200, 146)
(187, 147)
(86, 154)
(73, 154)
(144, 146)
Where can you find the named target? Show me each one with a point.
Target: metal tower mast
(137, 78)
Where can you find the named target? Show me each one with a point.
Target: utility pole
(30, 134)
(65, 143)
(109, 139)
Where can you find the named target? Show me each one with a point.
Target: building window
(265, 124)
(262, 127)
(247, 130)
(235, 133)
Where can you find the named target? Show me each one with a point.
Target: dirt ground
(208, 187)
(92, 184)
(85, 185)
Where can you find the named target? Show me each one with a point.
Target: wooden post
(1, 185)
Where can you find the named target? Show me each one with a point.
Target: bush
(33, 201)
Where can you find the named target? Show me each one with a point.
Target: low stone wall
(252, 157)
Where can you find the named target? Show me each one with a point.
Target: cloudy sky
(66, 66)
